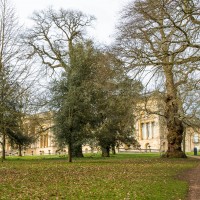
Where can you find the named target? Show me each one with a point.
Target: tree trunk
(174, 124)
(20, 150)
(77, 151)
(184, 134)
(175, 137)
(3, 157)
(113, 150)
(105, 151)
(69, 152)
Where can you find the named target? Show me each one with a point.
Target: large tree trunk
(74, 151)
(175, 133)
(77, 151)
(105, 151)
(184, 133)
(174, 123)
(20, 150)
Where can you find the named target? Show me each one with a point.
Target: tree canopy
(163, 37)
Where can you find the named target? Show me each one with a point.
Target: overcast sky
(106, 11)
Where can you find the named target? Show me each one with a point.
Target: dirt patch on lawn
(192, 176)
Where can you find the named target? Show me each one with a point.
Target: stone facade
(150, 132)
(150, 129)
(192, 139)
(40, 126)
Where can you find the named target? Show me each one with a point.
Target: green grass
(192, 153)
(124, 176)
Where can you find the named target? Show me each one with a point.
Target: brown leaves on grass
(112, 178)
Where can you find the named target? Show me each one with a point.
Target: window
(196, 138)
(44, 141)
(143, 130)
(147, 130)
(41, 141)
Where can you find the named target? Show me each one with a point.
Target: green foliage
(72, 98)
(11, 106)
(124, 176)
(160, 45)
(18, 137)
(94, 100)
(115, 97)
(11, 111)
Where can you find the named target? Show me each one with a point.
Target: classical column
(150, 130)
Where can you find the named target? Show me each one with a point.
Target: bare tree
(163, 37)
(14, 71)
(52, 40)
(53, 35)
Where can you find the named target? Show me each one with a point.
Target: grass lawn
(120, 177)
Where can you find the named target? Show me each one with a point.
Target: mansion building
(150, 132)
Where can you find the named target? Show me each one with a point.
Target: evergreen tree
(72, 100)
